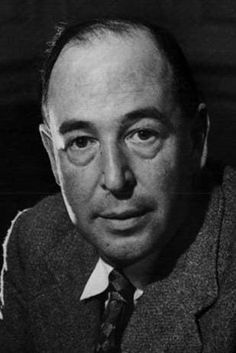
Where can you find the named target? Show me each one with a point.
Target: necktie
(116, 313)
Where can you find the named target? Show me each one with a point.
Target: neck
(143, 272)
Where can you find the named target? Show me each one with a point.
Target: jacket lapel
(166, 318)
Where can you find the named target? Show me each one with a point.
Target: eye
(81, 149)
(144, 136)
(80, 142)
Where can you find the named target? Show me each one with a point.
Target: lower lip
(127, 224)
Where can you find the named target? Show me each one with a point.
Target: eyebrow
(73, 124)
(149, 112)
(129, 118)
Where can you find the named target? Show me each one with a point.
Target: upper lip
(123, 214)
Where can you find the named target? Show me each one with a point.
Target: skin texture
(119, 148)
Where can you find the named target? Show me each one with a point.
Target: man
(125, 131)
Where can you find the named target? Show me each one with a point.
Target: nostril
(125, 192)
(121, 185)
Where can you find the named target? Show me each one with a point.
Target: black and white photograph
(118, 176)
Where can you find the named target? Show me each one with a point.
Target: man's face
(121, 150)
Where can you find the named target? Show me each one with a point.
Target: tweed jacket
(191, 307)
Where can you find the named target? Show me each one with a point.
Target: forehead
(108, 72)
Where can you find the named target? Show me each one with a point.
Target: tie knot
(120, 284)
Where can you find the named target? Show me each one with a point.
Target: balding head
(183, 87)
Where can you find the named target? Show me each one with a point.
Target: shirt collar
(98, 281)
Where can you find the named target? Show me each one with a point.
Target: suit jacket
(191, 307)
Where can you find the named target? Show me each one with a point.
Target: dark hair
(183, 85)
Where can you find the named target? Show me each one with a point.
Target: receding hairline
(102, 35)
(184, 89)
(90, 38)
(116, 28)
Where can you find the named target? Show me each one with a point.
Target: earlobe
(48, 144)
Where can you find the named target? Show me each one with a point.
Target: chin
(119, 260)
(126, 253)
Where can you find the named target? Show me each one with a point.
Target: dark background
(206, 30)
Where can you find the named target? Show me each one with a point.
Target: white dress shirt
(98, 282)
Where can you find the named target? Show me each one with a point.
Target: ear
(48, 144)
(200, 131)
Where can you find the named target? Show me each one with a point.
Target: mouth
(123, 215)
(120, 221)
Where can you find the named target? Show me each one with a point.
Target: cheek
(162, 173)
(78, 183)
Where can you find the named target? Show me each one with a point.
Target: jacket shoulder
(38, 229)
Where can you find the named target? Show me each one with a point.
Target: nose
(117, 174)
